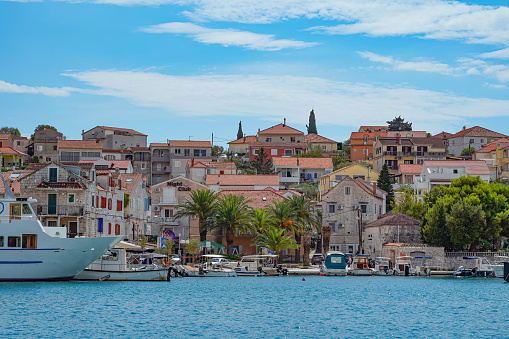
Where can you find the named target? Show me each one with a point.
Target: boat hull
(145, 275)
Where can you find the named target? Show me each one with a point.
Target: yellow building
(10, 157)
(354, 171)
(502, 159)
(241, 145)
(324, 144)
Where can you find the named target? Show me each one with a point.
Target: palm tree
(232, 215)
(274, 239)
(282, 213)
(260, 220)
(200, 204)
(326, 233)
(302, 208)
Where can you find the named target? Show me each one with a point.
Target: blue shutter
(100, 225)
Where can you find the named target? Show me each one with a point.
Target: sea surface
(258, 307)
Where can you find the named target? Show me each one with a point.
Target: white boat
(403, 266)
(360, 265)
(498, 265)
(256, 265)
(28, 253)
(211, 268)
(481, 268)
(334, 264)
(118, 264)
(382, 266)
(421, 266)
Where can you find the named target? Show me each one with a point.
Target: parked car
(317, 259)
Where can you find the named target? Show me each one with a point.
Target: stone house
(354, 171)
(474, 137)
(347, 207)
(45, 145)
(116, 138)
(392, 228)
(141, 162)
(182, 151)
(137, 211)
(78, 150)
(300, 170)
(322, 143)
(198, 170)
(218, 182)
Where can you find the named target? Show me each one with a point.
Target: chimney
(397, 139)
(374, 187)
(284, 122)
(244, 138)
(464, 127)
(192, 162)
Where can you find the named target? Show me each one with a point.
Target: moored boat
(421, 266)
(118, 264)
(403, 266)
(334, 264)
(211, 268)
(360, 265)
(481, 268)
(28, 253)
(382, 266)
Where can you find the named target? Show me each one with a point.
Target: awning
(211, 244)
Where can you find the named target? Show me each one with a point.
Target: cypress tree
(239, 133)
(384, 182)
(312, 122)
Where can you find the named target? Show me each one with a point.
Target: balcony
(164, 158)
(168, 201)
(75, 211)
(168, 221)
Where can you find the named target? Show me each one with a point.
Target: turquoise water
(259, 307)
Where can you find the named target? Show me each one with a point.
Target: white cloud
(6, 87)
(275, 97)
(227, 37)
(418, 66)
(500, 54)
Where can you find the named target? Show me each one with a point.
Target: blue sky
(180, 69)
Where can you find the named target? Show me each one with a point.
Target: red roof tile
(492, 146)
(408, 134)
(158, 144)
(410, 169)
(140, 148)
(245, 140)
(304, 162)
(213, 164)
(312, 137)
(477, 131)
(302, 145)
(242, 179)
(473, 167)
(79, 144)
(121, 164)
(371, 135)
(280, 129)
(11, 151)
(119, 129)
(129, 185)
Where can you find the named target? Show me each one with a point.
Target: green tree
(142, 241)
(12, 130)
(312, 123)
(310, 189)
(232, 215)
(261, 164)
(468, 151)
(41, 127)
(408, 204)
(274, 239)
(465, 222)
(384, 182)
(217, 150)
(240, 134)
(399, 124)
(435, 230)
(314, 152)
(200, 204)
(260, 220)
(282, 212)
(302, 218)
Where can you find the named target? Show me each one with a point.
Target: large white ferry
(28, 253)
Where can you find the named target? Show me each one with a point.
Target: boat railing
(8, 218)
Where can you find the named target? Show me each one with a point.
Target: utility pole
(359, 220)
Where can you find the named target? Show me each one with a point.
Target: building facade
(116, 138)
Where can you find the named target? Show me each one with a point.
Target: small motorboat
(481, 268)
(334, 264)
(421, 266)
(403, 266)
(211, 266)
(361, 265)
(383, 266)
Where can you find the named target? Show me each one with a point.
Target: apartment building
(115, 138)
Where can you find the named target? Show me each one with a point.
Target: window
(18, 143)
(255, 151)
(203, 152)
(286, 172)
(409, 162)
(292, 139)
(333, 226)
(91, 155)
(268, 139)
(471, 141)
(103, 202)
(143, 166)
(288, 152)
(13, 241)
(177, 150)
(71, 198)
(331, 208)
(1, 241)
(273, 151)
(364, 208)
(455, 171)
(187, 152)
(298, 151)
(324, 148)
(39, 148)
(158, 167)
(110, 203)
(177, 163)
(52, 223)
(482, 140)
(119, 205)
(117, 229)
(109, 228)
(359, 177)
(55, 148)
(365, 151)
(109, 157)
(365, 140)
(348, 189)
(160, 153)
(196, 152)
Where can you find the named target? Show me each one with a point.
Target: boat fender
(475, 269)
(168, 275)
(247, 268)
(260, 269)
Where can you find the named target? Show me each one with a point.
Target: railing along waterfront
(476, 254)
(59, 210)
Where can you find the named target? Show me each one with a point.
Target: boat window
(15, 211)
(336, 260)
(13, 241)
(26, 209)
(1, 241)
(29, 241)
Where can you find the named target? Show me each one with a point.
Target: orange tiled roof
(410, 169)
(473, 167)
(280, 129)
(302, 145)
(129, 186)
(245, 140)
(312, 137)
(189, 143)
(371, 135)
(257, 199)
(11, 151)
(121, 164)
(213, 164)
(303, 162)
(442, 135)
(79, 144)
(242, 179)
(492, 146)
(477, 131)
(413, 134)
(159, 144)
